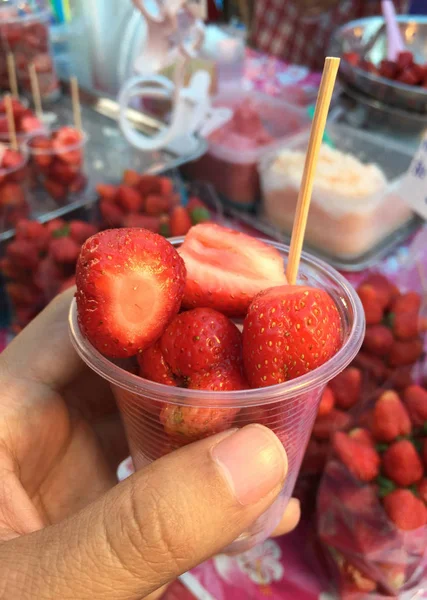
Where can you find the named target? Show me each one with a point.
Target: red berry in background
(180, 222)
(80, 231)
(130, 284)
(64, 250)
(107, 192)
(422, 490)
(404, 59)
(66, 145)
(32, 231)
(386, 290)
(372, 303)
(368, 66)
(361, 460)
(327, 402)
(347, 387)
(326, 425)
(41, 147)
(78, 184)
(55, 225)
(363, 436)
(390, 418)
(131, 178)
(405, 510)
(65, 173)
(378, 340)
(55, 189)
(156, 205)
(145, 221)
(352, 58)
(405, 353)
(388, 69)
(405, 315)
(149, 184)
(129, 199)
(415, 399)
(23, 253)
(112, 214)
(409, 76)
(401, 463)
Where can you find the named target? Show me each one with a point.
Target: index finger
(43, 352)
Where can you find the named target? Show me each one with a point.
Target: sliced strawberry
(226, 268)
(289, 331)
(130, 284)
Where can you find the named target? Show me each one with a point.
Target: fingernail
(252, 461)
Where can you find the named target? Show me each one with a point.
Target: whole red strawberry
(415, 398)
(327, 402)
(289, 331)
(402, 464)
(64, 250)
(405, 510)
(422, 490)
(347, 387)
(226, 268)
(360, 458)
(390, 418)
(378, 340)
(130, 284)
(80, 231)
(326, 425)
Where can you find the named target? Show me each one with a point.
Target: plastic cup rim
(304, 384)
(49, 152)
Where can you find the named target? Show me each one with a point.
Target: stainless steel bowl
(367, 37)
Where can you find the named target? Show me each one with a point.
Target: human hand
(67, 530)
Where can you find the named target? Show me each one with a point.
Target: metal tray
(108, 154)
(259, 223)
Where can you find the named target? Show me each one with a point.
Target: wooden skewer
(11, 70)
(324, 98)
(11, 122)
(75, 97)
(35, 90)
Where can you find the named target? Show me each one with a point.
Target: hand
(67, 530)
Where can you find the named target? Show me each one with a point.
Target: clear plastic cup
(14, 193)
(59, 170)
(289, 409)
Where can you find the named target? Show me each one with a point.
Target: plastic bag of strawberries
(372, 501)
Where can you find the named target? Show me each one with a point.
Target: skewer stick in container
(324, 98)
(75, 97)
(11, 71)
(11, 122)
(35, 91)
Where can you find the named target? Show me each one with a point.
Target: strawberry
(415, 398)
(41, 151)
(55, 225)
(347, 387)
(372, 304)
(402, 464)
(199, 339)
(390, 418)
(153, 366)
(106, 191)
(66, 144)
(378, 340)
(150, 184)
(130, 284)
(166, 186)
(351, 57)
(164, 227)
(22, 294)
(226, 268)
(145, 221)
(187, 424)
(404, 59)
(385, 290)
(368, 66)
(64, 250)
(11, 196)
(401, 377)
(388, 69)
(424, 453)
(372, 365)
(55, 189)
(80, 231)
(409, 76)
(327, 402)
(48, 277)
(361, 459)
(129, 199)
(64, 173)
(362, 436)
(156, 205)
(315, 457)
(12, 159)
(405, 311)
(289, 331)
(405, 510)
(23, 254)
(30, 124)
(180, 222)
(131, 178)
(33, 231)
(405, 353)
(111, 213)
(325, 426)
(422, 490)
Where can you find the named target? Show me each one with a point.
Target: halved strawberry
(226, 268)
(130, 284)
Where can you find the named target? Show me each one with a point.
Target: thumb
(154, 526)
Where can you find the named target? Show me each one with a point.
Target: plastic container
(233, 169)
(14, 193)
(288, 409)
(343, 227)
(60, 170)
(26, 122)
(25, 34)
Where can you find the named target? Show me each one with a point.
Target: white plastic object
(395, 43)
(191, 112)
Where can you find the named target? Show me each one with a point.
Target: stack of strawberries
(40, 262)
(151, 202)
(393, 344)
